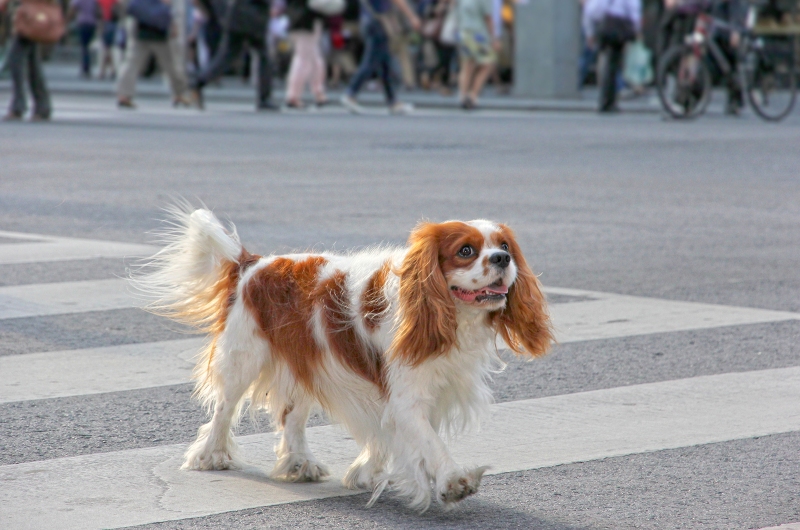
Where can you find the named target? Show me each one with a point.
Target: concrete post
(547, 48)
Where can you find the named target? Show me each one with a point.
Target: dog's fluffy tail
(190, 279)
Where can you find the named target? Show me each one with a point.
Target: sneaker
(12, 116)
(293, 105)
(125, 103)
(36, 117)
(351, 104)
(399, 108)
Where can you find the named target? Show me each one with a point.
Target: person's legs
(482, 73)
(369, 60)
(108, 38)
(41, 97)
(385, 70)
(319, 71)
(446, 54)
(612, 61)
(137, 57)
(264, 72)
(301, 67)
(18, 50)
(465, 76)
(86, 34)
(166, 61)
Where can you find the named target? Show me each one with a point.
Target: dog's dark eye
(504, 246)
(466, 251)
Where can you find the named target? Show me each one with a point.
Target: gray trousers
(23, 54)
(136, 61)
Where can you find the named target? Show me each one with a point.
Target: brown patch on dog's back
(280, 297)
(361, 357)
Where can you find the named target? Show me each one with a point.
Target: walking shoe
(40, 117)
(182, 102)
(196, 98)
(12, 116)
(351, 104)
(293, 105)
(400, 108)
(125, 103)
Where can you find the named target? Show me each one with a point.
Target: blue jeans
(376, 57)
(86, 34)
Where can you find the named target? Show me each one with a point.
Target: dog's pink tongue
(500, 289)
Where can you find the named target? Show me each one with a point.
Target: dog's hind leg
(364, 472)
(295, 462)
(230, 374)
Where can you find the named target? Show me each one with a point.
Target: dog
(396, 344)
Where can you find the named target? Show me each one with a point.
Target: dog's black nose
(501, 259)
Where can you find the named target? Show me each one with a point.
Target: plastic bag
(638, 70)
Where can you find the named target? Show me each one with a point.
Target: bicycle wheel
(683, 82)
(770, 70)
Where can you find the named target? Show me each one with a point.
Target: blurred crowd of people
(442, 45)
(308, 43)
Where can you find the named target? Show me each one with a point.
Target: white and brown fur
(377, 338)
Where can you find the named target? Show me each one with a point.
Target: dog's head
(474, 266)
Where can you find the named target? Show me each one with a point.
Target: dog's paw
(361, 476)
(460, 485)
(208, 461)
(299, 468)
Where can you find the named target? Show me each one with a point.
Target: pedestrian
(85, 13)
(734, 13)
(609, 26)
(308, 65)
(24, 53)
(109, 11)
(376, 57)
(153, 23)
(478, 46)
(245, 23)
(442, 36)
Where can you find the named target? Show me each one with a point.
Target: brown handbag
(39, 21)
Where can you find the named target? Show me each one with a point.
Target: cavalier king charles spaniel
(396, 344)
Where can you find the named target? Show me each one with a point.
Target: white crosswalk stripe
(97, 370)
(145, 485)
(33, 248)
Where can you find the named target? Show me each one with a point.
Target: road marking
(96, 370)
(42, 299)
(609, 315)
(38, 248)
(129, 367)
(789, 526)
(145, 485)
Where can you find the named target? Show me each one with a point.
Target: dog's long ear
(524, 323)
(427, 313)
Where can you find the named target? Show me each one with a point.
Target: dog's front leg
(421, 458)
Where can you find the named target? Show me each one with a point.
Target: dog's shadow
(333, 504)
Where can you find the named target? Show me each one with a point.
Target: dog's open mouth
(494, 292)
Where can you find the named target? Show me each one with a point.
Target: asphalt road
(705, 212)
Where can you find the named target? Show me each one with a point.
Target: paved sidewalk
(62, 78)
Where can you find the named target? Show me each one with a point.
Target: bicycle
(767, 67)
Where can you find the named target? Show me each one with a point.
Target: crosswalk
(144, 485)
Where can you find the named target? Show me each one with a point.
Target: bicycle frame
(702, 39)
